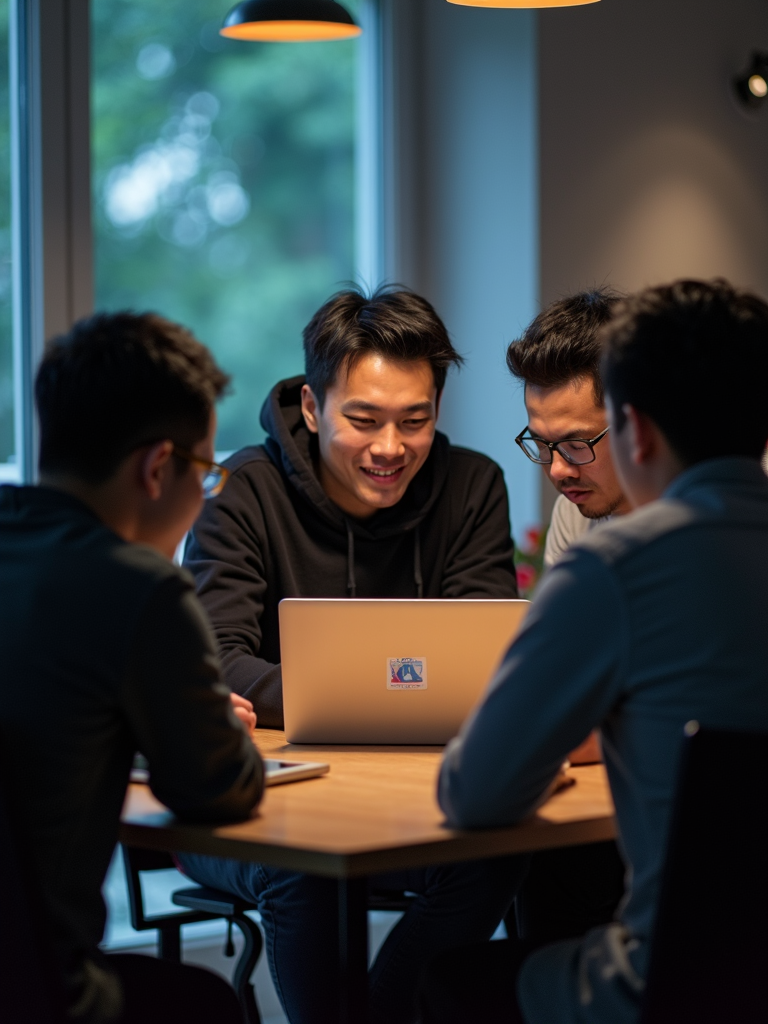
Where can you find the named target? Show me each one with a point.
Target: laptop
(388, 672)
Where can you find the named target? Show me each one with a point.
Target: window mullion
(52, 246)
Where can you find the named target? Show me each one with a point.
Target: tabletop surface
(376, 810)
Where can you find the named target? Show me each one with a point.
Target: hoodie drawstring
(351, 581)
(417, 564)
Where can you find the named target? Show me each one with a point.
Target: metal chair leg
(245, 965)
(170, 942)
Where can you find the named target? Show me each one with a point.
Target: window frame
(50, 190)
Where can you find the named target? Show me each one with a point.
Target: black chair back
(709, 952)
(29, 985)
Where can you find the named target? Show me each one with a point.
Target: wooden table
(375, 811)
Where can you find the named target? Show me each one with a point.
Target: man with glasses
(557, 359)
(106, 651)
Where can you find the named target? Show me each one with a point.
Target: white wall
(464, 144)
(649, 170)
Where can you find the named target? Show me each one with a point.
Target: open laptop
(385, 672)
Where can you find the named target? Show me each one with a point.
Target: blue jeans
(456, 904)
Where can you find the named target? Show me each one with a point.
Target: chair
(206, 904)
(29, 985)
(389, 899)
(709, 949)
(202, 904)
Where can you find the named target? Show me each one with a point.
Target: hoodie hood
(292, 448)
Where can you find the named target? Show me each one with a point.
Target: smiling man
(375, 432)
(354, 494)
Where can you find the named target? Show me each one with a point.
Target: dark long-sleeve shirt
(104, 650)
(653, 620)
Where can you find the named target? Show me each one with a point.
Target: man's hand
(244, 711)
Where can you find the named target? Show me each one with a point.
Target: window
(8, 468)
(223, 185)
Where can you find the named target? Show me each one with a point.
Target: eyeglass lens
(576, 452)
(213, 482)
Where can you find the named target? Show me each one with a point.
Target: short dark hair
(693, 356)
(561, 345)
(393, 322)
(117, 381)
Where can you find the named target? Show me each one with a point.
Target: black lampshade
(287, 21)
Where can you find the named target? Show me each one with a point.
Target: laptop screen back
(388, 671)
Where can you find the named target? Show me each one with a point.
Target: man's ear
(643, 440)
(310, 408)
(438, 399)
(153, 466)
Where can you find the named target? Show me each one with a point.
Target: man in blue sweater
(655, 645)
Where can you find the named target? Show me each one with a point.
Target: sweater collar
(39, 499)
(734, 470)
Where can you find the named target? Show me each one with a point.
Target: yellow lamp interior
(290, 31)
(522, 3)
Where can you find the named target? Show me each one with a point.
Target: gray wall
(649, 170)
(462, 180)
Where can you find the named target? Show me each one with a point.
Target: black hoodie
(274, 533)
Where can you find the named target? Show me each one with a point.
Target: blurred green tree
(223, 184)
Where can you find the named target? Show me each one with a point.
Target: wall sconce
(752, 86)
(289, 21)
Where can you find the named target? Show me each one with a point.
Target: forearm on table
(202, 764)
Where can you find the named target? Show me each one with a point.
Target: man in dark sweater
(354, 494)
(106, 650)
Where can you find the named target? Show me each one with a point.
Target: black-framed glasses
(215, 475)
(576, 450)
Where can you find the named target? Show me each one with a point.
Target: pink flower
(526, 577)
(533, 536)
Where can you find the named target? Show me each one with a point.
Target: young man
(570, 890)
(106, 650)
(667, 648)
(558, 360)
(354, 493)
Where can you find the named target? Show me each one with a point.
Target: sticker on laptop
(406, 673)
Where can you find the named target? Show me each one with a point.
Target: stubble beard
(603, 513)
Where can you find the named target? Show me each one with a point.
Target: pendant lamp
(289, 21)
(522, 3)
(752, 86)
